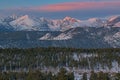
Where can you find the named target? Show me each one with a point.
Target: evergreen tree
(62, 74)
(84, 76)
(70, 76)
(93, 76)
(117, 76)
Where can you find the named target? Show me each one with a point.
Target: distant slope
(76, 37)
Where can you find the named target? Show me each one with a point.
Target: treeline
(41, 58)
(58, 49)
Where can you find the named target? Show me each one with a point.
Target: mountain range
(26, 23)
(27, 32)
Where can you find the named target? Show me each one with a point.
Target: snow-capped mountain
(23, 23)
(27, 23)
(69, 22)
(30, 24)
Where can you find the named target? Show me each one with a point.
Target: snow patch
(47, 36)
(63, 36)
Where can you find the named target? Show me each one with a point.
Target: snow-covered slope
(47, 36)
(30, 24)
(63, 36)
(23, 23)
(114, 21)
(117, 24)
(64, 24)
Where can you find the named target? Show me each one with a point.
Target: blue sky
(60, 8)
(27, 3)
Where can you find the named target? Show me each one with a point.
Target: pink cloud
(77, 6)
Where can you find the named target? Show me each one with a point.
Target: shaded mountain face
(28, 23)
(102, 37)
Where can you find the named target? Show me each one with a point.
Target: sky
(80, 9)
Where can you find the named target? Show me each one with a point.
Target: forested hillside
(42, 58)
(51, 60)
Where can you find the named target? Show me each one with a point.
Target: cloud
(77, 6)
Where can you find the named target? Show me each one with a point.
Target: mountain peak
(24, 17)
(23, 23)
(67, 18)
